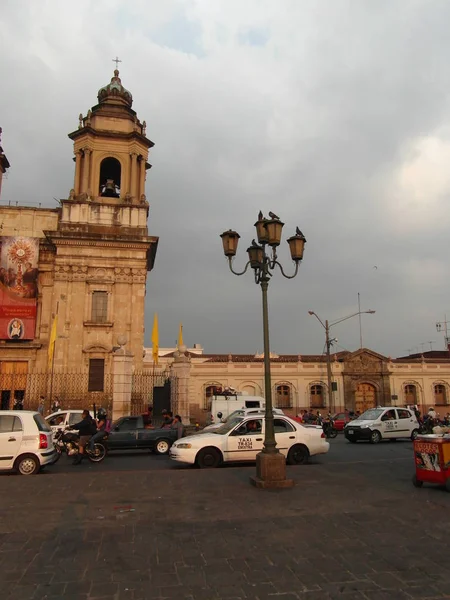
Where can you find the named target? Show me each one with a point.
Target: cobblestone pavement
(348, 530)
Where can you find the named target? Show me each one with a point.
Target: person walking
(41, 406)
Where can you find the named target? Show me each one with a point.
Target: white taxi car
(26, 442)
(242, 439)
(383, 422)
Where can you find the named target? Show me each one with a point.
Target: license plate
(350, 432)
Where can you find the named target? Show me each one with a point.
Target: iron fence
(143, 391)
(71, 389)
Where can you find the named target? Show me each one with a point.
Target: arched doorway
(410, 394)
(283, 396)
(365, 397)
(110, 176)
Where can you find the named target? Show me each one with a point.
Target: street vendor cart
(432, 458)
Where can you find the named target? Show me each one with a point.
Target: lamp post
(270, 463)
(329, 342)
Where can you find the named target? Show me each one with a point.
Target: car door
(124, 434)
(285, 435)
(245, 441)
(144, 436)
(11, 433)
(406, 422)
(389, 424)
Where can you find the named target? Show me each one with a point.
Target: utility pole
(329, 376)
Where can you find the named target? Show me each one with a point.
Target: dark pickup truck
(129, 433)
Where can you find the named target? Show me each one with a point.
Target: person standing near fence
(41, 406)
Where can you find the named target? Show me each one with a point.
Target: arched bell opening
(110, 172)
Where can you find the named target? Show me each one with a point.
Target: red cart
(432, 458)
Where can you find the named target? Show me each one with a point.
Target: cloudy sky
(334, 114)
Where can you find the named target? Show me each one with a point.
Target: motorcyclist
(86, 428)
(101, 429)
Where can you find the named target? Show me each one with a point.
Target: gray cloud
(334, 115)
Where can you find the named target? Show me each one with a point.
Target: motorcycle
(67, 442)
(328, 428)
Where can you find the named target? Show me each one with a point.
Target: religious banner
(18, 287)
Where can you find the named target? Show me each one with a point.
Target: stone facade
(95, 250)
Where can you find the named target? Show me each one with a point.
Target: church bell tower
(102, 249)
(111, 149)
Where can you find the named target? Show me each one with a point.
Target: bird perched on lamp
(274, 216)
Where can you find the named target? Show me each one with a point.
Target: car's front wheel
(27, 464)
(208, 458)
(298, 455)
(414, 434)
(375, 437)
(162, 447)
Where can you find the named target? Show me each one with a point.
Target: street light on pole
(329, 342)
(270, 463)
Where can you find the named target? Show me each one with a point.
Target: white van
(383, 423)
(227, 404)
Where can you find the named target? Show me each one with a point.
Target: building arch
(110, 177)
(412, 392)
(283, 394)
(210, 388)
(252, 388)
(441, 393)
(317, 393)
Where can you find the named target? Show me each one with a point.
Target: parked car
(26, 442)
(242, 439)
(63, 419)
(242, 412)
(341, 419)
(129, 433)
(383, 422)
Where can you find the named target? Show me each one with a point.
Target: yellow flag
(155, 340)
(51, 343)
(180, 336)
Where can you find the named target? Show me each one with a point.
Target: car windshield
(233, 415)
(371, 415)
(228, 426)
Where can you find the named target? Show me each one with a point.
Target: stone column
(134, 178)
(141, 178)
(122, 380)
(86, 161)
(180, 369)
(77, 172)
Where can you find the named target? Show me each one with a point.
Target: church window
(99, 307)
(96, 375)
(110, 175)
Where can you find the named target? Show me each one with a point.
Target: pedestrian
(41, 406)
(167, 418)
(56, 406)
(178, 425)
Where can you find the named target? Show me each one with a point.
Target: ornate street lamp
(270, 463)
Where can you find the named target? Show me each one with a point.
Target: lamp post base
(271, 472)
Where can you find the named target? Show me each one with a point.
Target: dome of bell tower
(115, 91)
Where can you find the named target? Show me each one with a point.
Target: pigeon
(254, 244)
(260, 216)
(298, 232)
(274, 216)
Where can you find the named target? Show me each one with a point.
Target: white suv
(26, 442)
